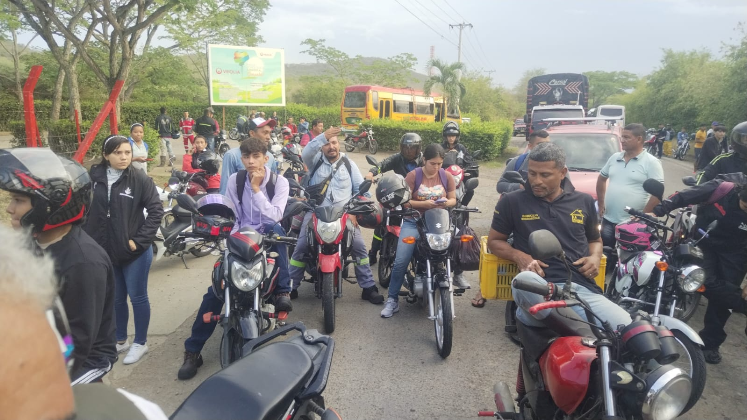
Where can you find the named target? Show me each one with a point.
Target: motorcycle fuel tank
(566, 366)
(436, 221)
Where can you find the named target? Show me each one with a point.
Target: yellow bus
(365, 102)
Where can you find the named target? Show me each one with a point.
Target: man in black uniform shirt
(550, 202)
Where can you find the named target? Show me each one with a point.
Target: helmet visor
(40, 162)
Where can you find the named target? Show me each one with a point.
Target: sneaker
(372, 295)
(294, 294)
(712, 356)
(391, 308)
(283, 302)
(372, 257)
(137, 351)
(121, 348)
(460, 282)
(189, 369)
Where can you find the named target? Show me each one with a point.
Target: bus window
(424, 109)
(375, 99)
(453, 111)
(381, 109)
(387, 109)
(355, 100)
(403, 107)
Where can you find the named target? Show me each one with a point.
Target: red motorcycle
(579, 370)
(364, 139)
(330, 241)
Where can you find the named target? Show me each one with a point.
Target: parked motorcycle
(293, 376)
(176, 234)
(430, 278)
(233, 134)
(650, 144)
(594, 370)
(221, 147)
(296, 169)
(193, 184)
(244, 277)
(682, 150)
(364, 139)
(330, 239)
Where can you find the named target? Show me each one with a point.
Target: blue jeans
(210, 142)
(202, 331)
(132, 279)
(600, 305)
(403, 257)
(298, 261)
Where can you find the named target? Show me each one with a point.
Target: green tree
(11, 26)
(316, 91)
(393, 72)
(448, 80)
(488, 102)
(343, 65)
(604, 84)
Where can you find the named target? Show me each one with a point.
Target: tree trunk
(57, 96)
(17, 66)
(73, 90)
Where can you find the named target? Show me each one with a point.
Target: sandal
(478, 303)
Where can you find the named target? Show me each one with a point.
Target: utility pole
(489, 72)
(461, 27)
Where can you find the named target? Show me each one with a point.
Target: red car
(520, 127)
(587, 148)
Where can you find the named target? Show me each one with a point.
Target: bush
(492, 138)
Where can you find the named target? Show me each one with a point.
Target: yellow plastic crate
(496, 274)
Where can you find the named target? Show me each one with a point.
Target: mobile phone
(441, 200)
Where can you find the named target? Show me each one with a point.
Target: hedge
(62, 138)
(12, 110)
(490, 137)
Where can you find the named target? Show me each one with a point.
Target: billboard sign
(246, 76)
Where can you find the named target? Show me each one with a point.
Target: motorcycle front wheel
(692, 361)
(373, 146)
(349, 146)
(233, 134)
(686, 307)
(231, 344)
(386, 259)
(328, 302)
(444, 322)
(203, 250)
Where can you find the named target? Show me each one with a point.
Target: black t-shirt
(572, 218)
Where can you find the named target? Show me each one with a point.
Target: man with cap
(206, 127)
(258, 128)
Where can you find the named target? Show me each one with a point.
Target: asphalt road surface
(389, 368)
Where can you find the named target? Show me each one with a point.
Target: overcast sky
(509, 36)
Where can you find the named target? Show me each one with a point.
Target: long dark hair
(111, 144)
(432, 151)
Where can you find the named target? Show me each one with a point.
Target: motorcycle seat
(260, 386)
(181, 213)
(534, 340)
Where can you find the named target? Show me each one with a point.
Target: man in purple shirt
(260, 208)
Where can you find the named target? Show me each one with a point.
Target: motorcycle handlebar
(467, 209)
(646, 218)
(546, 290)
(547, 305)
(282, 239)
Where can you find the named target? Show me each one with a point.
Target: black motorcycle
(431, 280)
(283, 380)
(221, 147)
(244, 278)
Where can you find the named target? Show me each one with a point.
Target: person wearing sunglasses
(49, 198)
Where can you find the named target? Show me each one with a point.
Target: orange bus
(365, 102)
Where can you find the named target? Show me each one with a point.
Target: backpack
(241, 183)
(419, 178)
(132, 144)
(520, 161)
(317, 192)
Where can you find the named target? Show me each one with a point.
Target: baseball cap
(715, 123)
(261, 122)
(210, 110)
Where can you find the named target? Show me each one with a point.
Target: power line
(429, 27)
(480, 45)
(455, 10)
(431, 12)
(482, 60)
(439, 8)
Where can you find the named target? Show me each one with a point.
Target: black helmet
(410, 141)
(208, 162)
(60, 188)
(392, 191)
(738, 139)
(451, 129)
(372, 218)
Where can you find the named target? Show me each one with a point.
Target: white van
(615, 111)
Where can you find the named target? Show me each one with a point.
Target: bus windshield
(355, 100)
(541, 114)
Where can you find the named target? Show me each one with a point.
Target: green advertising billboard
(246, 76)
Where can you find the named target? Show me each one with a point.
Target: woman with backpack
(118, 223)
(434, 185)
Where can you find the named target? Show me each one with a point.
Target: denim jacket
(344, 185)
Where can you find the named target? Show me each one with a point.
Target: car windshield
(518, 121)
(541, 114)
(586, 152)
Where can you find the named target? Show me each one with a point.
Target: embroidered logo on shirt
(743, 226)
(526, 217)
(577, 216)
(127, 193)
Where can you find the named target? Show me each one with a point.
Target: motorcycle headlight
(438, 241)
(328, 232)
(246, 278)
(668, 392)
(691, 278)
(174, 186)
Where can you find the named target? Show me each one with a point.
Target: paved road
(389, 369)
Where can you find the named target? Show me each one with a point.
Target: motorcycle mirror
(372, 160)
(173, 183)
(471, 184)
(513, 177)
(690, 181)
(476, 154)
(364, 187)
(294, 184)
(187, 203)
(293, 209)
(712, 225)
(654, 188)
(544, 245)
